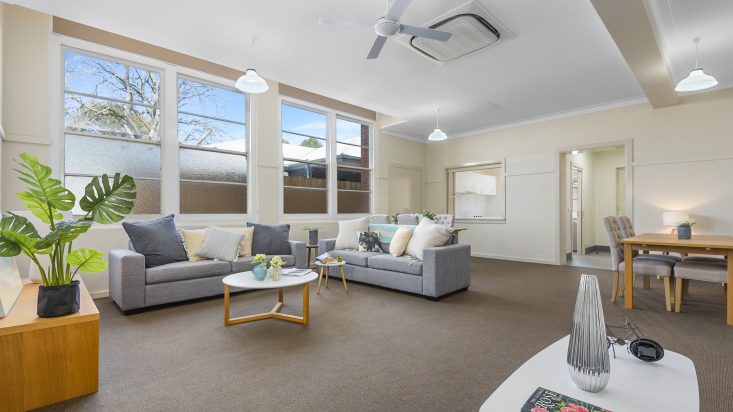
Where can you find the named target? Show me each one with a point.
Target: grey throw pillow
(270, 239)
(369, 242)
(157, 240)
(220, 244)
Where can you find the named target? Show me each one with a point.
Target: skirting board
(100, 294)
(514, 258)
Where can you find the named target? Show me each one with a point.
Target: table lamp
(674, 217)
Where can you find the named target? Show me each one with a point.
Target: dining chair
(444, 220)
(694, 270)
(644, 265)
(627, 230)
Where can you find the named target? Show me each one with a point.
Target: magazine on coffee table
(295, 272)
(545, 400)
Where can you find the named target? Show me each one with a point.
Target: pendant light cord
(697, 44)
(437, 118)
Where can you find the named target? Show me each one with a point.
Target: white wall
(682, 159)
(604, 183)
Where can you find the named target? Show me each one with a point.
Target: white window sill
(480, 220)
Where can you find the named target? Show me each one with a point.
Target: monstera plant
(106, 200)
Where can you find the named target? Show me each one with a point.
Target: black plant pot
(312, 237)
(59, 300)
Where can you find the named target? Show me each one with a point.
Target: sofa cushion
(173, 272)
(402, 264)
(220, 244)
(426, 234)
(157, 240)
(270, 239)
(348, 236)
(244, 264)
(352, 257)
(369, 242)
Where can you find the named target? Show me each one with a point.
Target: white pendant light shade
(696, 80)
(437, 134)
(251, 82)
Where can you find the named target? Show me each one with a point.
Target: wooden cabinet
(45, 361)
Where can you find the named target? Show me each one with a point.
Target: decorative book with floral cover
(545, 400)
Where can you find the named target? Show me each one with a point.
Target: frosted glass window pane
(213, 166)
(304, 175)
(104, 78)
(105, 117)
(208, 100)
(206, 132)
(353, 202)
(304, 148)
(297, 200)
(351, 132)
(146, 202)
(204, 197)
(353, 179)
(95, 156)
(349, 155)
(301, 121)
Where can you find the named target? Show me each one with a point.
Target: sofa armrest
(446, 269)
(326, 245)
(297, 249)
(127, 278)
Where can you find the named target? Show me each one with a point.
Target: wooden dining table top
(668, 239)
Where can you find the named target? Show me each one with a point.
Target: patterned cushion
(369, 242)
(220, 244)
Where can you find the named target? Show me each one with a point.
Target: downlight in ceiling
(473, 29)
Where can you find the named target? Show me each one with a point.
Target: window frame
(332, 166)
(168, 143)
(451, 195)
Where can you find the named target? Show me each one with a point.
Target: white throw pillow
(399, 241)
(348, 237)
(426, 234)
(220, 244)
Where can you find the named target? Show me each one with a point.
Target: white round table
(246, 280)
(327, 267)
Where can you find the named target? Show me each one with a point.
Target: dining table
(663, 242)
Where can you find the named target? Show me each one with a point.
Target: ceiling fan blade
(397, 9)
(345, 23)
(425, 32)
(377, 47)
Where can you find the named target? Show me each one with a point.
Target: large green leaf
(40, 208)
(16, 233)
(87, 260)
(42, 185)
(109, 200)
(65, 232)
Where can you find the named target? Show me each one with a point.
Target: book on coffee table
(295, 272)
(545, 400)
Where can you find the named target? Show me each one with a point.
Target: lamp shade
(672, 218)
(696, 80)
(251, 82)
(437, 135)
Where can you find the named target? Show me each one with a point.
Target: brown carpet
(376, 349)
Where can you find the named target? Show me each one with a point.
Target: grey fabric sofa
(132, 286)
(443, 270)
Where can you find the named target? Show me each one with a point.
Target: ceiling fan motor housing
(386, 27)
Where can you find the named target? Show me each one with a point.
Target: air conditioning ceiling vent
(471, 32)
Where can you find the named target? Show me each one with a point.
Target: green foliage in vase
(106, 200)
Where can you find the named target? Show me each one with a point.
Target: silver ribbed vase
(588, 361)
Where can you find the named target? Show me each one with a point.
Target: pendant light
(437, 134)
(251, 82)
(697, 79)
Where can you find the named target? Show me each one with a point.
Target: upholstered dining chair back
(379, 219)
(613, 232)
(627, 228)
(444, 220)
(408, 219)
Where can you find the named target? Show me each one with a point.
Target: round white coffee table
(246, 280)
(327, 267)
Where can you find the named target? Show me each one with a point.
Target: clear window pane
(305, 175)
(297, 200)
(206, 132)
(96, 156)
(353, 202)
(147, 200)
(212, 166)
(206, 197)
(348, 131)
(353, 179)
(208, 100)
(304, 122)
(106, 117)
(112, 80)
(348, 155)
(304, 148)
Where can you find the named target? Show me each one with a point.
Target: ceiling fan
(388, 26)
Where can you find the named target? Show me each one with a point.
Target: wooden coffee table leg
(328, 275)
(226, 305)
(320, 278)
(343, 278)
(306, 304)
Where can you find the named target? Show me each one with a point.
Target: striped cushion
(386, 232)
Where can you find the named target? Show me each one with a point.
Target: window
(309, 163)
(477, 192)
(212, 136)
(112, 124)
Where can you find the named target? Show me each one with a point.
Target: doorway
(576, 210)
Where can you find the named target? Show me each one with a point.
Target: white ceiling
(561, 58)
